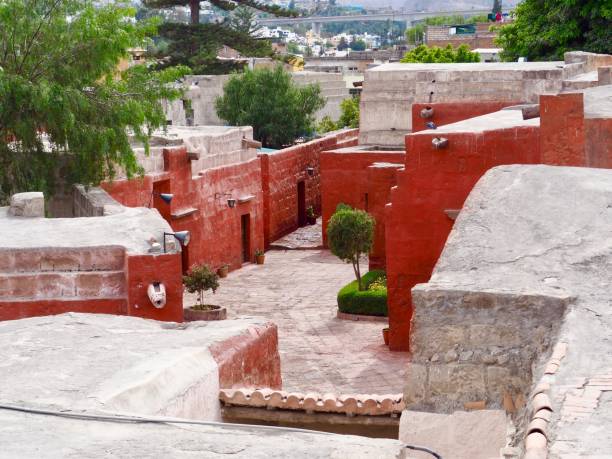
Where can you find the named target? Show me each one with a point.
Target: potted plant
(311, 217)
(260, 256)
(222, 271)
(199, 279)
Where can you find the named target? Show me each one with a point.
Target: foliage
(259, 252)
(348, 118)
(269, 100)
(199, 279)
(371, 301)
(545, 29)
(425, 54)
(380, 28)
(416, 34)
(243, 19)
(58, 75)
(357, 45)
(343, 45)
(222, 4)
(310, 213)
(350, 233)
(197, 45)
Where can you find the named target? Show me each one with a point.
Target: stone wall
(476, 346)
(92, 202)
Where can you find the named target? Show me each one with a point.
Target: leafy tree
(425, 54)
(268, 100)
(545, 29)
(226, 5)
(65, 111)
(196, 46)
(357, 45)
(243, 19)
(350, 233)
(350, 113)
(497, 6)
(343, 44)
(199, 279)
(348, 118)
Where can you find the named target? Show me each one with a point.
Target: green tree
(243, 19)
(350, 233)
(546, 29)
(350, 113)
(425, 54)
(196, 46)
(357, 45)
(226, 5)
(268, 100)
(497, 6)
(65, 111)
(199, 279)
(343, 44)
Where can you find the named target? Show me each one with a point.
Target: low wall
(451, 112)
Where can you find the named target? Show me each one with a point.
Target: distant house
(473, 35)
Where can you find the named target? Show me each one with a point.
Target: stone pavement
(306, 237)
(296, 289)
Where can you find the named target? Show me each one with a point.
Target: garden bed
(369, 302)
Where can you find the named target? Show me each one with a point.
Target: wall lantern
(182, 236)
(231, 203)
(439, 143)
(166, 197)
(310, 171)
(431, 125)
(427, 112)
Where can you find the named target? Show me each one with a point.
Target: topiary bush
(370, 302)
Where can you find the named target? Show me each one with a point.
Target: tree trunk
(357, 272)
(194, 5)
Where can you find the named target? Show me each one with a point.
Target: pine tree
(194, 6)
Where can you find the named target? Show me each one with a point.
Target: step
(104, 258)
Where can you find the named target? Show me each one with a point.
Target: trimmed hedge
(366, 302)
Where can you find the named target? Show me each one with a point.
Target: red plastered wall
(434, 181)
(281, 173)
(562, 127)
(344, 179)
(598, 142)
(381, 178)
(452, 112)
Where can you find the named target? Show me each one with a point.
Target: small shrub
(199, 279)
(370, 302)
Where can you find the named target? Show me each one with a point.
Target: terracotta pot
(191, 315)
(260, 259)
(385, 332)
(311, 220)
(222, 271)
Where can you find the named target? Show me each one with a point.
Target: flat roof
(503, 119)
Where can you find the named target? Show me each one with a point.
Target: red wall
(199, 205)
(452, 112)
(381, 178)
(344, 179)
(435, 181)
(281, 173)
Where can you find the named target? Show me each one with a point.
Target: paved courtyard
(296, 289)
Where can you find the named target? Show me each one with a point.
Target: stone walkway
(296, 289)
(306, 237)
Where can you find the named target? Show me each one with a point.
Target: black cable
(141, 420)
(425, 450)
